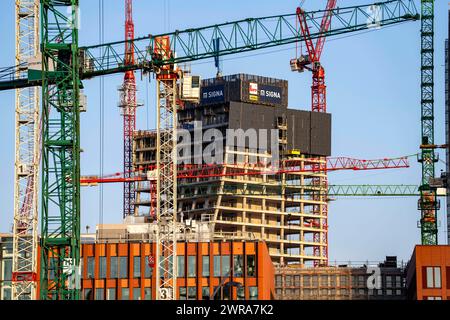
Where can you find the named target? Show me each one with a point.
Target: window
(389, 281)
(205, 266)
(240, 293)
(238, 265)
(306, 281)
(361, 281)
(99, 294)
(125, 294)
(88, 294)
(7, 294)
(113, 265)
(433, 277)
(251, 265)
(137, 267)
(216, 266)
(182, 292)
(90, 267)
(253, 293)
(123, 267)
(433, 298)
(398, 281)
(180, 266)
(148, 270)
(136, 293)
(277, 281)
(111, 294)
(192, 266)
(8, 269)
(192, 293)
(225, 266)
(205, 292)
(102, 268)
(147, 293)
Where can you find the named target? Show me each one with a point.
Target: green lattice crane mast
(60, 223)
(428, 204)
(65, 64)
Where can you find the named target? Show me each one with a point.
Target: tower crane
(318, 102)
(65, 65)
(24, 267)
(427, 204)
(128, 105)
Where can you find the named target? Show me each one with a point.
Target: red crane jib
(288, 166)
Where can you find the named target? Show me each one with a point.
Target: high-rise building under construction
(237, 189)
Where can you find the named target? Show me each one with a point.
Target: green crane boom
(64, 65)
(235, 37)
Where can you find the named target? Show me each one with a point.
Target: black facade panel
(306, 131)
(299, 130)
(245, 88)
(320, 133)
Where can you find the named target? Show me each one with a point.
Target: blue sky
(373, 84)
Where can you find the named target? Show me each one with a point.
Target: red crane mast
(128, 105)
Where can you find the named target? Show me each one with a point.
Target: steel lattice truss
(427, 202)
(235, 37)
(166, 188)
(128, 104)
(60, 229)
(248, 169)
(26, 169)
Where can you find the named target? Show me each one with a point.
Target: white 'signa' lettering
(272, 94)
(215, 94)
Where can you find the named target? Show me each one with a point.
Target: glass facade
(192, 270)
(137, 267)
(123, 268)
(192, 293)
(125, 294)
(238, 265)
(205, 266)
(225, 266)
(253, 293)
(251, 265)
(205, 293)
(148, 269)
(111, 294)
(114, 267)
(99, 294)
(182, 293)
(102, 268)
(216, 266)
(136, 293)
(90, 267)
(180, 266)
(147, 293)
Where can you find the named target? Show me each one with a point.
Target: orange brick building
(428, 273)
(206, 270)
